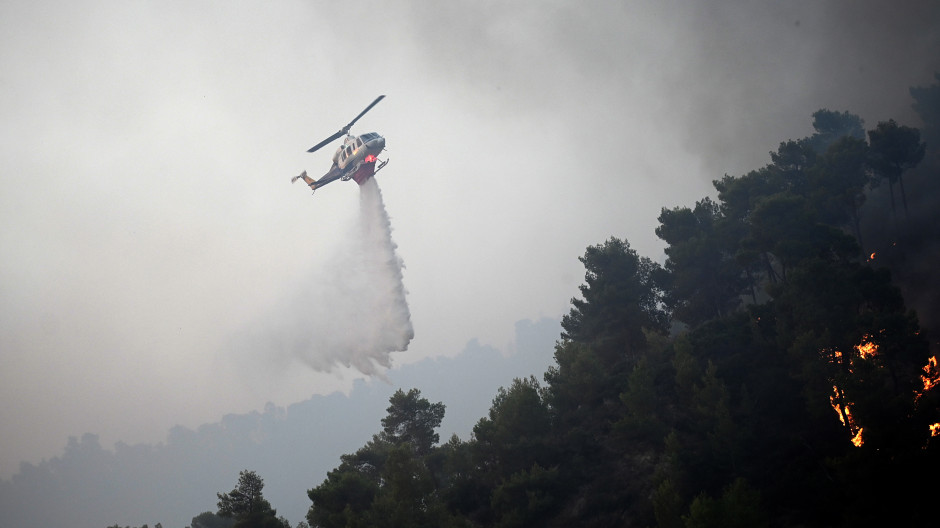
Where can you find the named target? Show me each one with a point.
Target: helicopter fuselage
(357, 156)
(357, 148)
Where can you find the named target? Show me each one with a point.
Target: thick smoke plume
(351, 311)
(907, 240)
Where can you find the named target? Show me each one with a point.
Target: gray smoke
(349, 312)
(907, 241)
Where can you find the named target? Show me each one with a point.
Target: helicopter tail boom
(307, 179)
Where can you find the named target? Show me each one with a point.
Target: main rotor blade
(326, 141)
(351, 123)
(346, 128)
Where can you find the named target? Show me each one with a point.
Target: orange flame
(857, 439)
(845, 415)
(930, 377)
(836, 356)
(867, 350)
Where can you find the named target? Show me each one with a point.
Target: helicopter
(355, 159)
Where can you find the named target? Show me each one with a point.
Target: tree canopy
(247, 506)
(769, 373)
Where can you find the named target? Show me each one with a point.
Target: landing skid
(379, 167)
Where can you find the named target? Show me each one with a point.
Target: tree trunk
(894, 212)
(903, 198)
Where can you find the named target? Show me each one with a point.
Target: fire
(872, 257)
(836, 356)
(845, 415)
(867, 350)
(857, 439)
(930, 377)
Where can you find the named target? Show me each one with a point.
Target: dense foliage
(245, 505)
(767, 374)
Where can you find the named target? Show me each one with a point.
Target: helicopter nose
(377, 143)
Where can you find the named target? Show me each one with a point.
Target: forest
(778, 369)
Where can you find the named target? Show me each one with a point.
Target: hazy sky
(146, 148)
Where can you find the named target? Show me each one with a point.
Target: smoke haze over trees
(94, 485)
(769, 373)
(147, 225)
(774, 367)
(801, 392)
